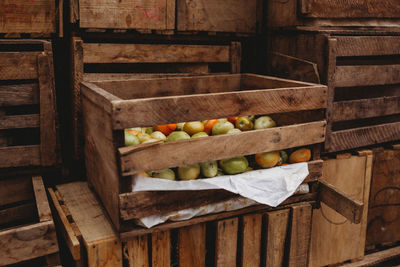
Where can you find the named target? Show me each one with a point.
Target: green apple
(147, 130)
(236, 130)
(179, 126)
(158, 135)
(152, 140)
(222, 127)
(200, 134)
(143, 137)
(244, 124)
(167, 174)
(234, 165)
(189, 172)
(264, 122)
(209, 169)
(283, 157)
(177, 135)
(131, 139)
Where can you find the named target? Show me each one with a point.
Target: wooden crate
(219, 16)
(328, 13)
(334, 239)
(386, 257)
(250, 239)
(110, 165)
(113, 61)
(27, 104)
(130, 14)
(361, 70)
(27, 227)
(21, 16)
(384, 210)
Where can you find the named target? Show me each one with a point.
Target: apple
(158, 135)
(264, 122)
(131, 139)
(234, 165)
(167, 174)
(143, 137)
(268, 159)
(147, 130)
(193, 127)
(244, 123)
(236, 130)
(189, 172)
(284, 157)
(222, 127)
(199, 134)
(179, 126)
(209, 169)
(152, 140)
(178, 135)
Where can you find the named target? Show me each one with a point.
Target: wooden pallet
(27, 227)
(380, 258)
(352, 175)
(329, 13)
(28, 134)
(361, 72)
(249, 239)
(93, 61)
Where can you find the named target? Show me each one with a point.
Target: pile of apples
(198, 129)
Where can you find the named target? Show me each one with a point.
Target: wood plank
(365, 108)
(366, 75)
(104, 253)
(135, 159)
(18, 65)
(15, 189)
(354, 46)
(192, 245)
(18, 156)
(276, 232)
(231, 16)
(14, 214)
(235, 55)
(19, 121)
(364, 136)
(161, 249)
(48, 135)
(300, 233)
(351, 175)
(226, 242)
(138, 251)
(153, 53)
(374, 259)
(251, 240)
(27, 242)
(351, 9)
(20, 16)
(131, 14)
(17, 95)
(163, 110)
(64, 226)
(42, 203)
(384, 211)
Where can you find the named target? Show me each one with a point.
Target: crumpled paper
(267, 186)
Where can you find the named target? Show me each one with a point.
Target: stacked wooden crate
(353, 48)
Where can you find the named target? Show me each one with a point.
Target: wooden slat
(226, 242)
(136, 158)
(153, 53)
(192, 245)
(27, 242)
(138, 251)
(350, 9)
(353, 46)
(15, 189)
(300, 232)
(155, 111)
(104, 252)
(276, 232)
(18, 65)
(161, 249)
(48, 135)
(17, 213)
(131, 14)
(374, 259)
(251, 240)
(366, 75)
(21, 16)
(364, 136)
(42, 204)
(315, 171)
(365, 108)
(17, 156)
(235, 55)
(16, 95)
(19, 121)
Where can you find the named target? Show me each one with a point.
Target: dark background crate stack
(27, 229)
(361, 69)
(27, 104)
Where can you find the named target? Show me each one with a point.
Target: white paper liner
(268, 186)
